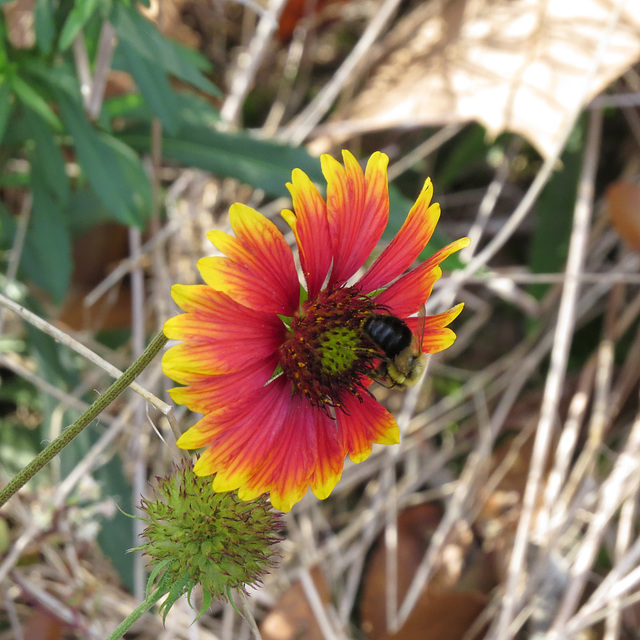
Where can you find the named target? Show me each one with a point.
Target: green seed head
(198, 537)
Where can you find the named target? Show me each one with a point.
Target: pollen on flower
(327, 354)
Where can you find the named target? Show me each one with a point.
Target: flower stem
(137, 613)
(85, 419)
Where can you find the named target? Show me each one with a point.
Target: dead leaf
(443, 615)
(454, 596)
(41, 625)
(512, 65)
(624, 210)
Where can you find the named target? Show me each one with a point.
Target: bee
(404, 361)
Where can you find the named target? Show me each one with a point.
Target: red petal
(240, 435)
(436, 336)
(211, 393)
(363, 423)
(272, 441)
(403, 250)
(329, 456)
(357, 210)
(221, 337)
(407, 294)
(309, 223)
(259, 271)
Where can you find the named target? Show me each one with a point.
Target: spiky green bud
(198, 537)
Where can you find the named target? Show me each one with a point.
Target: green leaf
(141, 35)
(48, 156)
(106, 165)
(47, 258)
(193, 110)
(467, 149)
(45, 26)
(77, 18)
(7, 228)
(552, 230)
(6, 105)
(262, 163)
(135, 175)
(154, 86)
(117, 535)
(32, 99)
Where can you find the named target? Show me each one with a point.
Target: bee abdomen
(391, 334)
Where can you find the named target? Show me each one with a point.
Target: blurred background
(509, 510)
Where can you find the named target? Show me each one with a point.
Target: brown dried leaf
(454, 596)
(512, 65)
(624, 210)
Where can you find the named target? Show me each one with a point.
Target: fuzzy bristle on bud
(198, 537)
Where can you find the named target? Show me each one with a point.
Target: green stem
(137, 613)
(90, 414)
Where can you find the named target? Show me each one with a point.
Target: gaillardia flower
(281, 370)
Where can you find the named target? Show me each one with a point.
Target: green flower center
(327, 354)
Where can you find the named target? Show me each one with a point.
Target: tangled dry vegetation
(510, 507)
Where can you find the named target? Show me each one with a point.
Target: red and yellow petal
(311, 228)
(259, 271)
(288, 467)
(220, 335)
(308, 454)
(403, 250)
(363, 423)
(211, 393)
(408, 294)
(270, 442)
(445, 252)
(329, 456)
(357, 210)
(437, 336)
(240, 435)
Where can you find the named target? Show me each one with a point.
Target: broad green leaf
(32, 99)
(134, 29)
(262, 163)
(6, 105)
(193, 110)
(135, 175)
(45, 26)
(85, 210)
(154, 86)
(77, 18)
(47, 258)
(117, 535)
(102, 165)
(50, 161)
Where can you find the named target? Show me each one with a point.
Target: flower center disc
(327, 354)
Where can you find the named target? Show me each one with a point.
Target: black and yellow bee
(404, 361)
